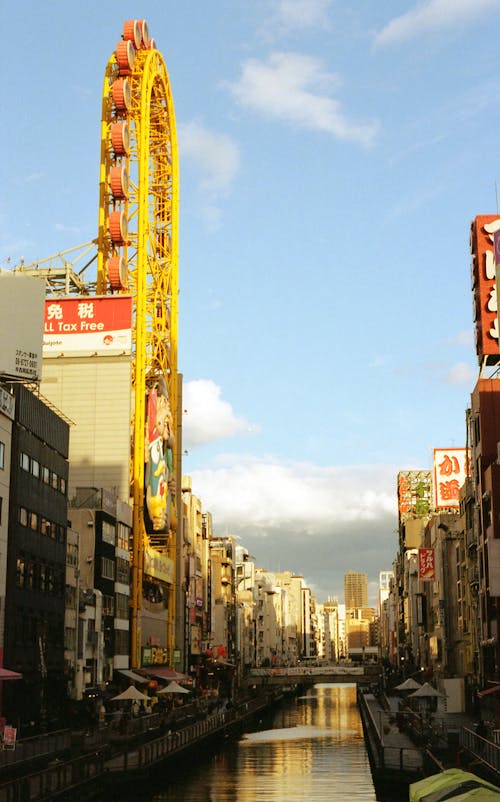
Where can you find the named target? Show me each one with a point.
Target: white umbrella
(174, 687)
(408, 685)
(130, 694)
(425, 691)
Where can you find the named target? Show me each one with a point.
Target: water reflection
(314, 751)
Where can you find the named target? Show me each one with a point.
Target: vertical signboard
(451, 468)
(159, 475)
(426, 565)
(21, 325)
(484, 287)
(414, 494)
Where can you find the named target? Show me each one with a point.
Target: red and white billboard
(426, 565)
(85, 325)
(451, 468)
(484, 288)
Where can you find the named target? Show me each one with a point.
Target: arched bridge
(311, 675)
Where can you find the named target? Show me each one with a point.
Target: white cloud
(315, 521)
(461, 373)
(430, 16)
(71, 229)
(295, 88)
(208, 417)
(301, 14)
(214, 155)
(267, 493)
(465, 337)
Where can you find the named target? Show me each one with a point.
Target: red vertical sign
(426, 565)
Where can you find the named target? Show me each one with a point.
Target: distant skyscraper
(355, 590)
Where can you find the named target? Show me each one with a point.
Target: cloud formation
(302, 14)
(214, 155)
(315, 521)
(295, 88)
(432, 15)
(208, 417)
(461, 373)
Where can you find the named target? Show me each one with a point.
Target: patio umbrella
(408, 685)
(425, 691)
(131, 694)
(173, 687)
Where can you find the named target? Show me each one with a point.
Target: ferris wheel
(138, 256)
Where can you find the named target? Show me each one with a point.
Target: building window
(108, 605)
(20, 572)
(54, 480)
(123, 536)
(121, 641)
(35, 468)
(121, 605)
(33, 517)
(2, 455)
(1, 500)
(24, 461)
(62, 485)
(107, 568)
(46, 475)
(108, 533)
(23, 516)
(122, 571)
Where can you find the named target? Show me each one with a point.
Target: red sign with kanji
(426, 565)
(451, 468)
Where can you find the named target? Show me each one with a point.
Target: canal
(311, 749)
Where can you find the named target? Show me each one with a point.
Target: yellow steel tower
(138, 255)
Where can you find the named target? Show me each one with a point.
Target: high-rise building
(355, 590)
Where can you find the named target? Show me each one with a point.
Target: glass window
(23, 516)
(35, 468)
(24, 461)
(107, 568)
(54, 480)
(123, 536)
(108, 533)
(62, 485)
(46, 475)
(33, 516)
(2, 455)
(20, 571)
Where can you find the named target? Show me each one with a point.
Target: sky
(332, 158)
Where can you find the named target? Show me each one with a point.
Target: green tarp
(453, 784)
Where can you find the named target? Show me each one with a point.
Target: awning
(493, 689)
(162, 672)
(132, 675)
(6, 674)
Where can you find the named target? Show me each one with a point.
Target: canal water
(311, 750)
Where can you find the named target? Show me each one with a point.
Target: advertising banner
(451, 468)
(21, 325)
(88, 325)
(484, 285)
(414, 494)
(158, 566)
(426, 565)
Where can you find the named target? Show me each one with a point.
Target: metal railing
(482, 749)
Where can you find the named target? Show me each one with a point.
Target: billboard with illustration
(159, 478)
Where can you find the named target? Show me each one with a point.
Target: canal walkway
(127, 757)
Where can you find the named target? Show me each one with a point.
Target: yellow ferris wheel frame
(150, 271)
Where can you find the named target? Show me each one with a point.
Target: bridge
(311, 675)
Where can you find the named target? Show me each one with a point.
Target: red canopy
(6, 674)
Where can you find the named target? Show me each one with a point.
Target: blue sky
(332, 157)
